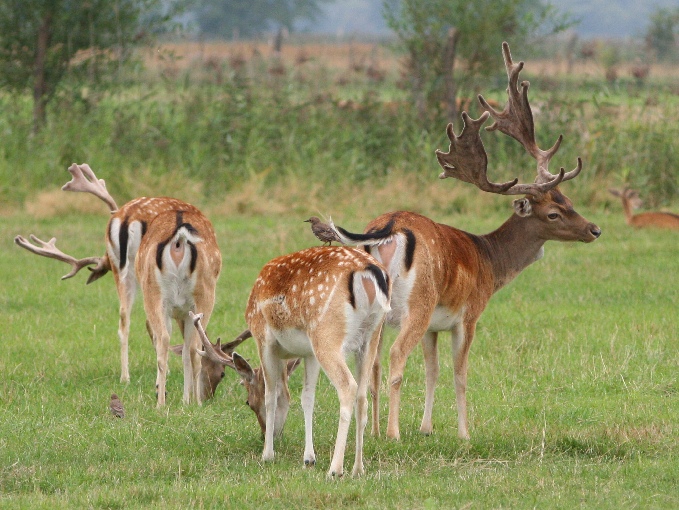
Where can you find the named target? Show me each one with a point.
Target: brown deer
(178, 264)
(126, 227)
(320, 304)
(444, 277)
(631, 200)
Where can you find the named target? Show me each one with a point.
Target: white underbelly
(293, 342)
(443, 319)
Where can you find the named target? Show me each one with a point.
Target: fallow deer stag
(319, 304)
(178, 264)
(443, 277)
(658, 219)
(126, 227)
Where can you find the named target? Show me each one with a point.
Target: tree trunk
(40, 81)
(448, 77)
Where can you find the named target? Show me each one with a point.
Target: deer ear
(243, 368)
(177, 349)
(522, 207)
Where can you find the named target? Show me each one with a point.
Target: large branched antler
(84, 180)
(516, 120)
(466, 158)
(49, 249)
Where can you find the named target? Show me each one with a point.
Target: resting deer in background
(126, 227)
(631, 200)
(320, 304)
(444, 277)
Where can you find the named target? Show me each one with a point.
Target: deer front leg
(431, 370)
(311, 371)
(463, 334)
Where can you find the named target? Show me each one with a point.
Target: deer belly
(443, 319)
(293, 342)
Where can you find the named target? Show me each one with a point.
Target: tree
(436, 33)
(226, 18)
(40, 38)
(661, 33)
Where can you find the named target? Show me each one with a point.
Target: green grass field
(573, 388)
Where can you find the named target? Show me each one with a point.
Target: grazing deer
(126, 227)
(631, 200)
(444, 277)
(216, 358)
(320, 304)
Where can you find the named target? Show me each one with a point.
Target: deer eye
(552, 216)
(222, 376)
(247, 403)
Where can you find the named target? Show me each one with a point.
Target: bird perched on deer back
(323, 231)
(116, 406)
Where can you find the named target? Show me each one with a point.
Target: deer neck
(513, 247)
(627, 208)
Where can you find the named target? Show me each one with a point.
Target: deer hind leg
(463, 334)
(335, 367)
(365, 363)
(190, 361)
(127, 291)
(162, 329)
(273, 368)
(311, 370)
(375, 380)
(411, 333)
(431, 370)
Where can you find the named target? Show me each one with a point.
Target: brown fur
(631, 200)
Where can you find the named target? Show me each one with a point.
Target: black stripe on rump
(381, 278)
(386, 231)
(194, 256)
(352, 297)
(410, 248)
(123, 239)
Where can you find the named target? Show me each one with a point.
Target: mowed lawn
(573, 391)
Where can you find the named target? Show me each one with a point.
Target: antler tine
(466, 158)
(49, 249)
(210, 352)
(231, 346)
(86, 181)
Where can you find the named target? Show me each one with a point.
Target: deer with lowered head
(320, 304)
(658, 219)
(126, 228)
(444, 277)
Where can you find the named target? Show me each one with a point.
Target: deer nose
(595, 231)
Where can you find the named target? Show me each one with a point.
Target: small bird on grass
(323, 231)
(116, 406)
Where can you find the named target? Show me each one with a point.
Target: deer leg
(375, 380)
(162, 329)
(340, 376)
(127, 290)
(463, 334)
(311, 371)
(431, 370)
(365, 362)
(272, 367)
(410, 334)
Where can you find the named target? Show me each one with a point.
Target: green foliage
(422, 26)
(661, 32)
(572, 389)
(246, 18)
